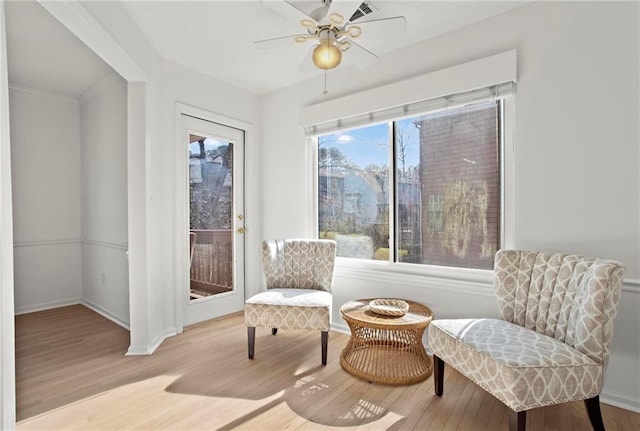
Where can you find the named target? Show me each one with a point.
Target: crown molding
(99, 88)
(42, 93)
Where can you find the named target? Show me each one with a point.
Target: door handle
(241, 230)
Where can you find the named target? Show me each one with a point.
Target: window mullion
(393, 185)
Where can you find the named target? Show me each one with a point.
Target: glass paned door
(214, 188)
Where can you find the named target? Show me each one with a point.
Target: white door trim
(7, 346)
(181, 211)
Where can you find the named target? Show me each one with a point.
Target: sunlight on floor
(146, 404)
(307, 388)
(363, 410)
(149, 404)
(281, 416)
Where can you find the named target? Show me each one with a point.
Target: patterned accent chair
(551, 343)
(299, 274)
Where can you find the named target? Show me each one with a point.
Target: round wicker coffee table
(386, 349)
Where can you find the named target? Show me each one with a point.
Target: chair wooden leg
(517, 420)
(595, 415)
(251, 338)
(325, 344)
(438, 375)
(274, 331)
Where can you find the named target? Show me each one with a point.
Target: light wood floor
(72, 374)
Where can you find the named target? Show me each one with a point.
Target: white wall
(69, 193)
(188, 87)
(152, 295)
(108, 30)
(577, 184)
(103, 132)
(45, 162)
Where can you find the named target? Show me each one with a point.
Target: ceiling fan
(325, 26)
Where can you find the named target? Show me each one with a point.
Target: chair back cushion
(299, 263)
(570, 298)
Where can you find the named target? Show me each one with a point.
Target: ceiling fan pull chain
(325, 83)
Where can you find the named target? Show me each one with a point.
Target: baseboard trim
(151, 348)
(340, 327)
(47, 306)
(160, 338)
(137, 352)
(620, 401)
(104, 313)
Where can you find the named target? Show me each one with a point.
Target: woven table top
(360, 311)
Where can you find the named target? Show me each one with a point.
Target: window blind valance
(493, 92)
(484, 79)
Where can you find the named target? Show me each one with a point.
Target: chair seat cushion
(289, 309)
(522, 368)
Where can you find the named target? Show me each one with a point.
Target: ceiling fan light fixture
(354, 31)
(309, 23)
(326, 55)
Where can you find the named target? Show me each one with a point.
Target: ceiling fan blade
(277, 42)
(359, 56)
(314, 10)
(307, 64)
(383, 27)
(290, 10)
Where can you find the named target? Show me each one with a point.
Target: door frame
(7, 333)
(181, 195)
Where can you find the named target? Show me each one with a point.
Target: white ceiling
(216, 38)
(42, 54)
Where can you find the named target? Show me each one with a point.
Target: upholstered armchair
(299, 275)
(551, 343)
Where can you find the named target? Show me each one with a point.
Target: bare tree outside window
(445, 180)
(353, 191)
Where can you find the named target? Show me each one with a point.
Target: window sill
(458, 280)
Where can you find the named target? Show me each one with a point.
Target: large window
(422, 190)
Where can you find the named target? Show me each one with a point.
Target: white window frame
(506, 202)
(457, 79)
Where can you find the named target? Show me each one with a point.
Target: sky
(209, 144)
(370, 145)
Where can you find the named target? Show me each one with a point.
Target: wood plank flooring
(72, 375)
